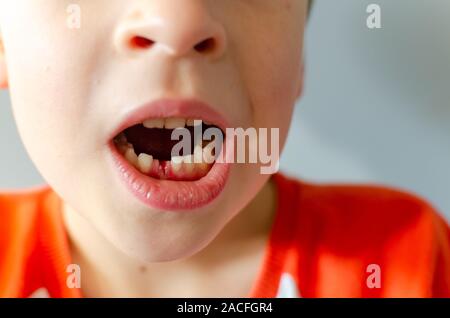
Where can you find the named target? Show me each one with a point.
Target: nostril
(206, 46)
(139, 42)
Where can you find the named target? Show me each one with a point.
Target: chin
(162, 236)
(162, 249)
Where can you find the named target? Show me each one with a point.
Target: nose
(177, 28)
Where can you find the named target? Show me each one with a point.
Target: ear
(3, 71)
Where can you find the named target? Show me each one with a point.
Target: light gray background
(375, 107)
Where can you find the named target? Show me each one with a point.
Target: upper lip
(165, 108)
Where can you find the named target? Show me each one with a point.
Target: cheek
(271, 62)
(48, 84)
(47, 117)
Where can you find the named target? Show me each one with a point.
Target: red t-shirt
(326, 241)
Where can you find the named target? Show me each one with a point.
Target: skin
(68, 93)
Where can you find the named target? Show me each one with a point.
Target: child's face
(72, 88)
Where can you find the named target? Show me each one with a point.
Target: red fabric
(323, 236)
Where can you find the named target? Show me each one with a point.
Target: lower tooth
(198, 154)
(122, 148)
(187, 159)
(176, 165)
(202, 167)
(131, 156)
(207, 153)
(188, 164)
(189, 167)
(177, 160)
(145, 162)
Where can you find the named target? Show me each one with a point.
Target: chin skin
(149, 235)
(69, 88)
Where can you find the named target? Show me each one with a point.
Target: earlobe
(3, 71)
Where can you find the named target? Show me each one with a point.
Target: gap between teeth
(189, 164)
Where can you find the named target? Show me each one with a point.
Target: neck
(233, 256)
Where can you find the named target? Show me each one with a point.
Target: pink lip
(165, 194)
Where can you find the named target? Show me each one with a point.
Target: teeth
(202, 167)
(145, 162)
(177, 160)
(188, 164)
(172, 123)
(131, 156)
(180, 165)
(177, 164)
(123, 148)
(185, 163)
(190, 122)
(183, 159)
(154, 123)
(188, 159)
(198, 154)
(196, 122)
(207, 152)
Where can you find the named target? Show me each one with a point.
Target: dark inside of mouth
(157, 141)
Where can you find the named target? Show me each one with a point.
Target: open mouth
(164, 177)
(148, 146)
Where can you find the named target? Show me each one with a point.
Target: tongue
(154, 141)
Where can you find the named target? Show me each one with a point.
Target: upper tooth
(145, 162)
(198, 122)
(154, 123)
(193, 122)
(172, 123)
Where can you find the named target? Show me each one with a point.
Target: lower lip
(171, 195)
